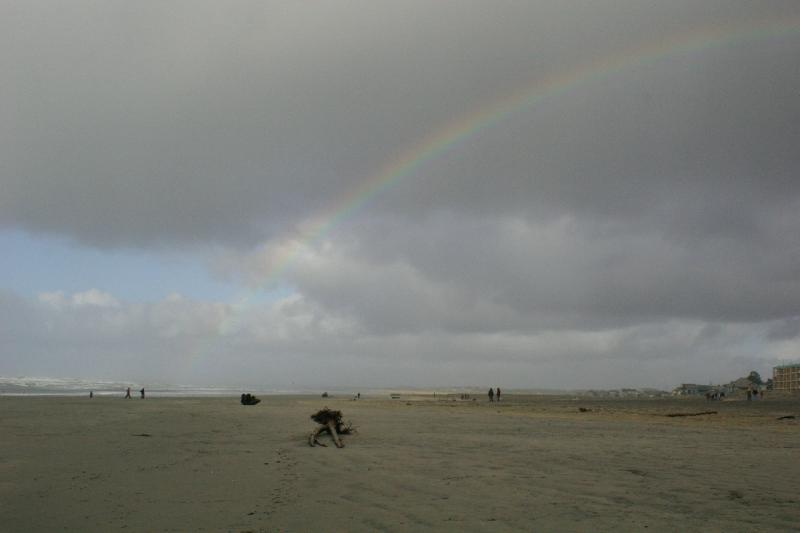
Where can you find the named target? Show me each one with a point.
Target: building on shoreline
(738, 386)
(692, 389)
(786, 377)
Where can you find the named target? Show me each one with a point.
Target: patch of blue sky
(34, 264)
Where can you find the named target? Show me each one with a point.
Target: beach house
(691, 389)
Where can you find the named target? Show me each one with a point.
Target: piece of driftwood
(584, 410)
(249, 399)
(693, 414)
(787, 417)
(330, 422)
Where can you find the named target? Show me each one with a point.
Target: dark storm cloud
(136, 125)
(470, 274)
(786, 329)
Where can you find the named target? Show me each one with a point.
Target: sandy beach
(417, 463)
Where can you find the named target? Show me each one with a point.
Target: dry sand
(527, 464)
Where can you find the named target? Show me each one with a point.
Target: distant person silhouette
(142, 393)
(91, 394)
(128, 393)
(498, 394)
(491, 394)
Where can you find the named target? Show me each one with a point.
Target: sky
(548, 194)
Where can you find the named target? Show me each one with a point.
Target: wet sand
(528, 463)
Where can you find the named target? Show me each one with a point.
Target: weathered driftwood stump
(329, 422)
(249, 399)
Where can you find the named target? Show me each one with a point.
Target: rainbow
(496, 111)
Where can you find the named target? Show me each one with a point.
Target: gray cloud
(133, 126)
(294, 342)
(564, 273)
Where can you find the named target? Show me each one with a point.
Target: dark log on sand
(330, 422)
(249, 399)
(693, 414)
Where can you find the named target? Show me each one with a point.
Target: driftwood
(249, 399)
(693, 414)
(330, 422)
(787, 417)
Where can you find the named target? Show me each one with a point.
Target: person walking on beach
(498, 394)
(128, 393)
(491, 394)
(142, 393)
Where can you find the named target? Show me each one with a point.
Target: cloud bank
(293, 343)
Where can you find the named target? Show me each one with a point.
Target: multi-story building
(786, 377)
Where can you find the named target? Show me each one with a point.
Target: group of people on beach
(754, 394)
(493, 394)
(128, 393)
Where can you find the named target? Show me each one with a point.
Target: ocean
(45, 386)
